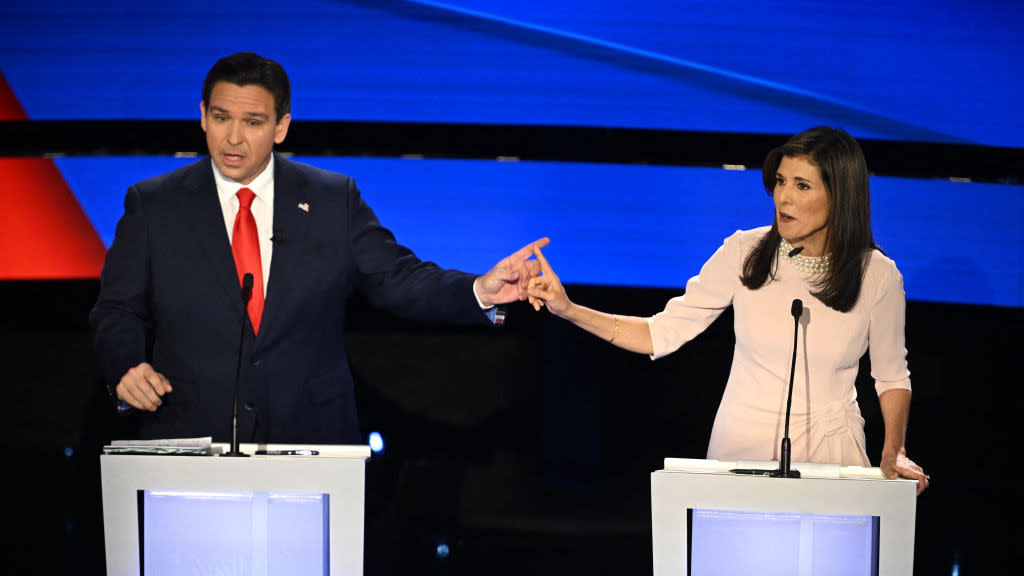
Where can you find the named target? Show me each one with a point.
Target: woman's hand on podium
(897, 465)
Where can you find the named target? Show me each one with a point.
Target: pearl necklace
(815, 265)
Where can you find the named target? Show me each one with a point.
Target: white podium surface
(337, 471)
(825, 489)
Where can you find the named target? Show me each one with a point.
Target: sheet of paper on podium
(169, 446)
(807, 469)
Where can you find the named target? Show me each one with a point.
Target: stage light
(376, 442)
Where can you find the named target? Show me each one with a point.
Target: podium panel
(832, 521)
(219, 515)
(192, 532)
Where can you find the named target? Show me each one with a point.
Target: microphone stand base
(234, 455)
(781, 474)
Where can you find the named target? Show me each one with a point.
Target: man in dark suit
(170, 327)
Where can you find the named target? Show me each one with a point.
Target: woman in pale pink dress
(819, 249)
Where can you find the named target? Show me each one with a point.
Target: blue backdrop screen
(645, 226)
(941, 70)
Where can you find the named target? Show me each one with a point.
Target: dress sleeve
(887, 333)
(707, 294)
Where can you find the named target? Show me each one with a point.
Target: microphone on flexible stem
(784, 456)
(247, 281)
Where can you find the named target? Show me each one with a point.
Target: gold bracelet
(616, 334)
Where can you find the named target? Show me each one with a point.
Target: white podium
(180, 514)
(846, 496)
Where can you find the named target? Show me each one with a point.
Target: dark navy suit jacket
(170, 295)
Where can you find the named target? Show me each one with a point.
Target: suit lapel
(207, 223)
(291, 225)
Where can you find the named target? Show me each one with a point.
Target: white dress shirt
(262, 210)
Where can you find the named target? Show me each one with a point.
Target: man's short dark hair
(247, 69)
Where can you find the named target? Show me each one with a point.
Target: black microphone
(247, 281)
(791, 253)
(278, 237)
(784, 470)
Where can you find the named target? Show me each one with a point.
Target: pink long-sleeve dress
(825, 423)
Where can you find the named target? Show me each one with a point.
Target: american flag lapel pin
(304, 206)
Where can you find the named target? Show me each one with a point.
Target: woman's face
(801, 205)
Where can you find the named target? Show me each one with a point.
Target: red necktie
(245, 245)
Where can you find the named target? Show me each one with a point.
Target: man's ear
(281, 130)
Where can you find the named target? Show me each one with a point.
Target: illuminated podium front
(832, 520)
(265, 514)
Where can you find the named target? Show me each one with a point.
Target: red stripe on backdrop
(44, 233)
(10, 108)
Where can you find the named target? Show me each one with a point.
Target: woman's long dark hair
(848, 238)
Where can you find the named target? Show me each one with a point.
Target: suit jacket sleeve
(121, 314)
(395, 279)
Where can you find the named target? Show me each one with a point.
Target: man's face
(241, 130)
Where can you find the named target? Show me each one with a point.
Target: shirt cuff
(496, 314)
(477, 296)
